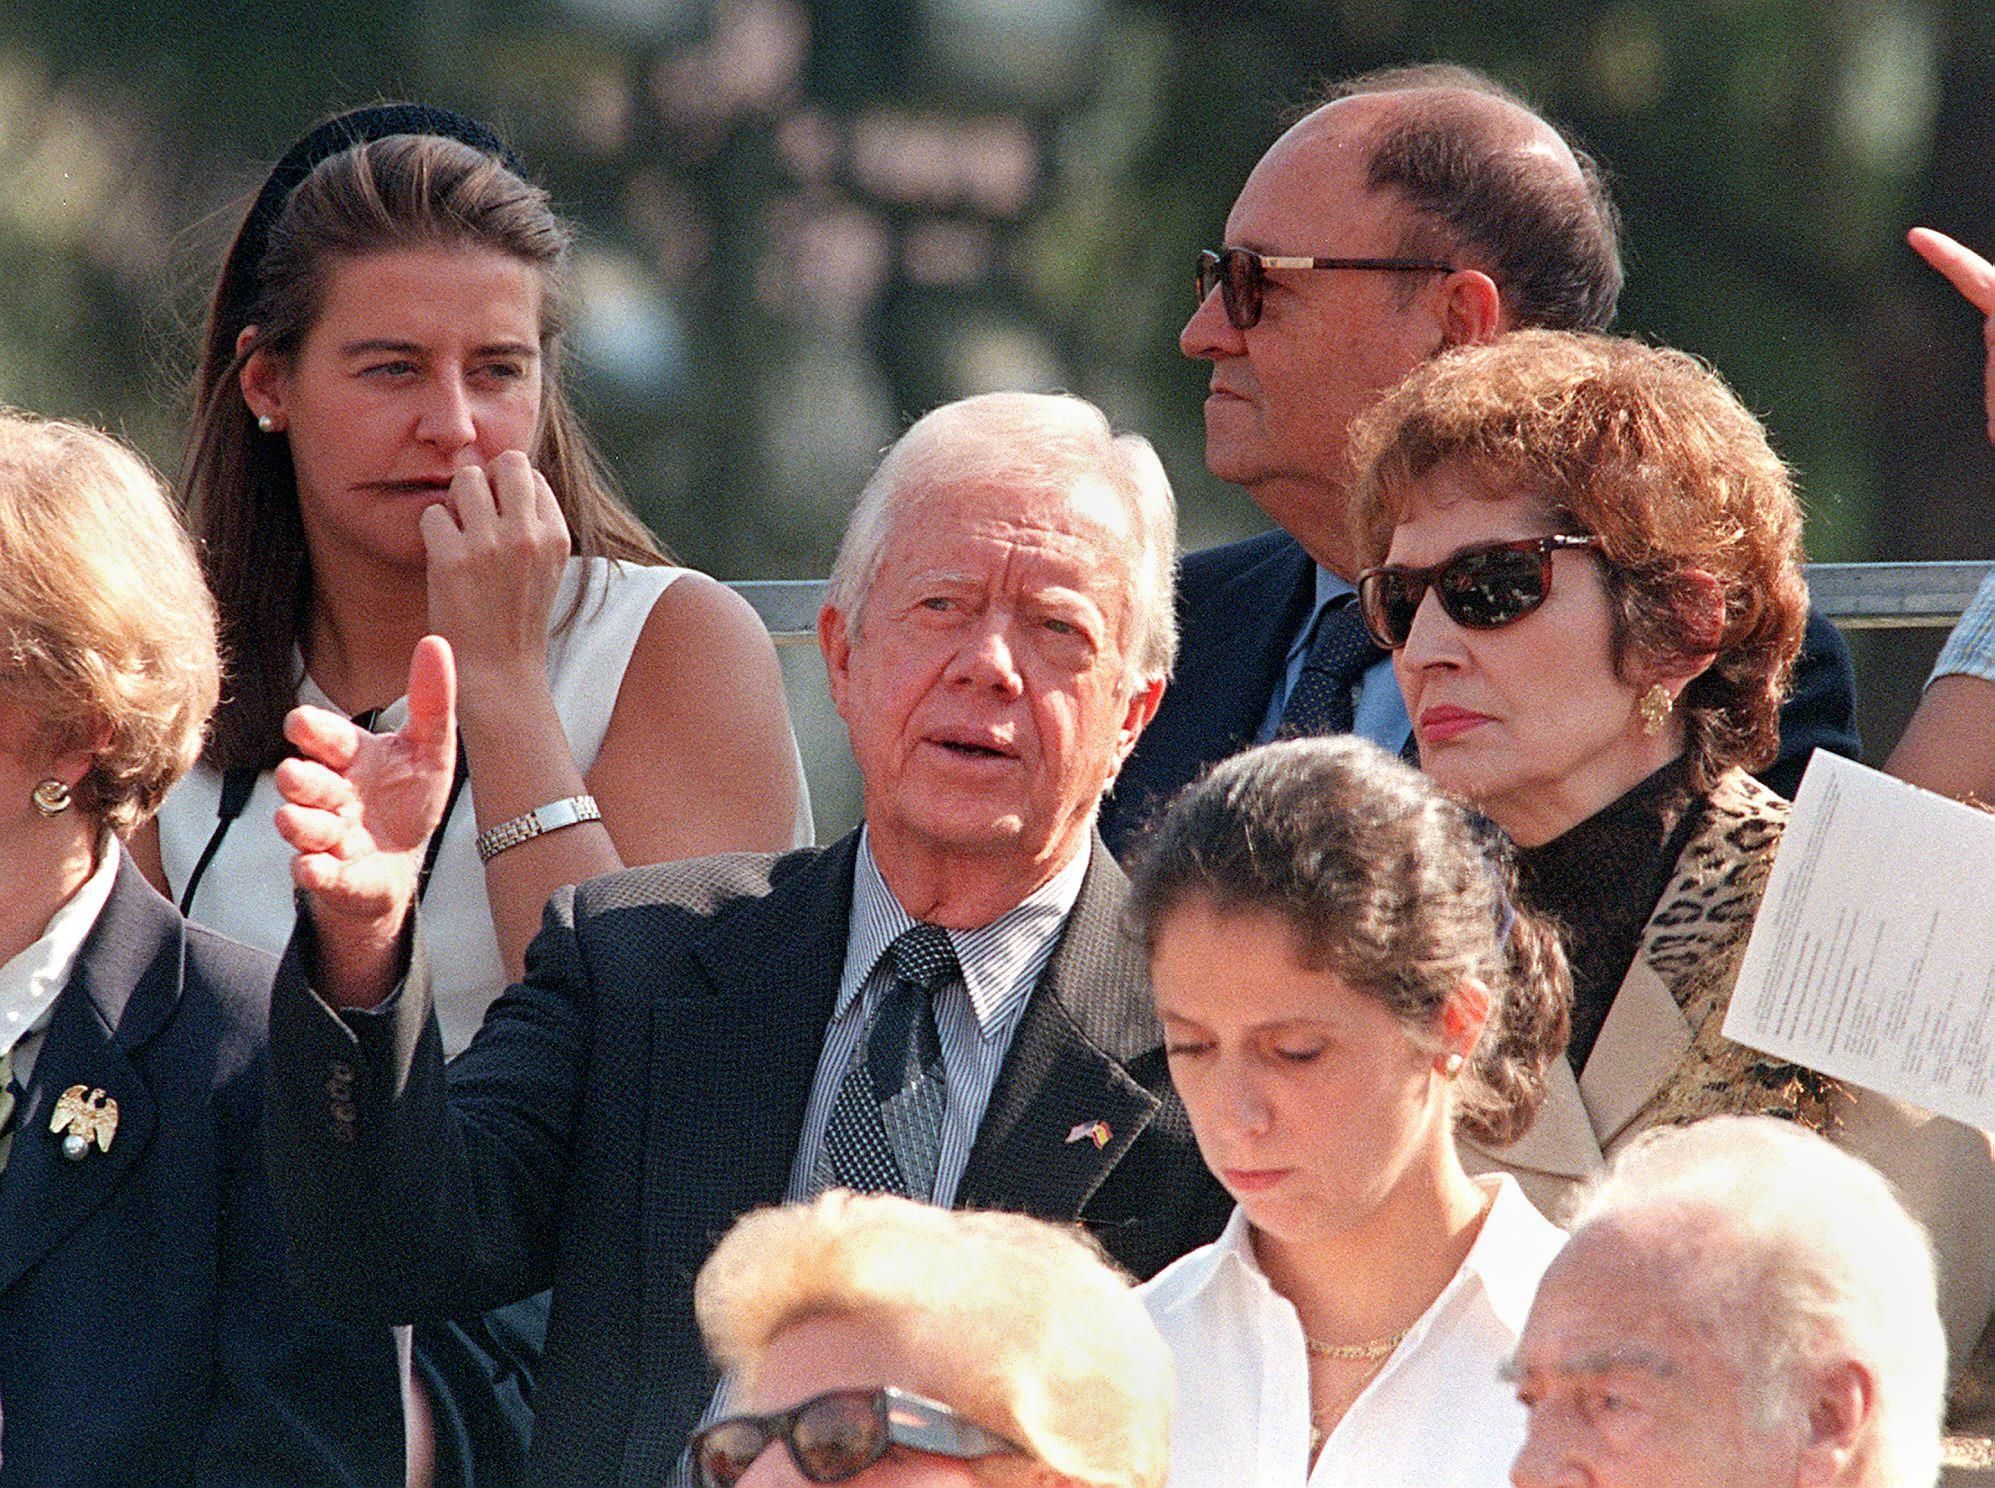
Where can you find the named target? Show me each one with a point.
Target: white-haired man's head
(996, 636)
(1028, 443)
(1740, 1304)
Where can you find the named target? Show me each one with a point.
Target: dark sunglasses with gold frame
(1484, 587)
(839, 1434)
(1240, 276)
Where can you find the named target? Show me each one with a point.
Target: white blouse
(32, 980)
(1434, 1416)
(246, 891)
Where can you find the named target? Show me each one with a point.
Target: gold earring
(1654, 709)
(51, 798)
(1451, 1067)
(266, 423)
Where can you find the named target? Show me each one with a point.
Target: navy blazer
(147, 1335)
(1239, 609)
(644, 1087)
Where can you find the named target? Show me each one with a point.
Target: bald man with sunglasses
(1420, 208)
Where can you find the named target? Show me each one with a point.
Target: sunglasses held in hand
(839, 1434)
(1240, 275)
(1484, 587)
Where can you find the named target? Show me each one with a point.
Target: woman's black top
(1601, 880)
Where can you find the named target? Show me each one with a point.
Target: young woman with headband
(383, 448)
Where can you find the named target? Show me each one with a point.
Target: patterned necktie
(1339, 656)
(8, 1101)
(884, 1134)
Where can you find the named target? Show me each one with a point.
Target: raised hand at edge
(358, 808)
(1974, 277)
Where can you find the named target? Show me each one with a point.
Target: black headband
(243, 270)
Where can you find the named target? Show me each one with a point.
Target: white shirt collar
(996, 958)
(1503, 1263)
(1435, 1415)
(1505, 1254)
(32, 980)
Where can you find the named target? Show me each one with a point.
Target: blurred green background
(807, 221)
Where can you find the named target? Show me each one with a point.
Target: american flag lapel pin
(1096, 1132)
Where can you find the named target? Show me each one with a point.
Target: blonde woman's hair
(107, 632)
(1024, 1326)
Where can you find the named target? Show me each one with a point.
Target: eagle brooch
(88, 1115)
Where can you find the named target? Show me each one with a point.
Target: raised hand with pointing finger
(1974, 276)
(358, 808)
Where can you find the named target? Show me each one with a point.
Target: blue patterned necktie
(884, 1134)
(1338, 659)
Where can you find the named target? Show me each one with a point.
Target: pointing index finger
(322, 735)
(1966, 270)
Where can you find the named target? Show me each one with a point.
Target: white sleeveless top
(246, 890)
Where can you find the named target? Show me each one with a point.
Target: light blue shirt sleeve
(1970, 650)
(1378, 712)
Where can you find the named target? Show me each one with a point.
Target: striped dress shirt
(1970, 650)
(975, 1015)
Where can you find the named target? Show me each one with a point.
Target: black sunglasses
(1483, 587)
(1239, 274)
(839, 1434)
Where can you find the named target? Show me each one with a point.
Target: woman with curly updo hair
(1345, 983)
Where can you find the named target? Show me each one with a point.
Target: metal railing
(1857, 596)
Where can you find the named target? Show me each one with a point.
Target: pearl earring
(1452, 1066)
(266, 423)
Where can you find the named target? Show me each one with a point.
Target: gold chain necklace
(1373, 1354)
(1378, 1348)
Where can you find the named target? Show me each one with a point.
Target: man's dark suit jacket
(1239, 608)
(146, 1334)
(645, 1086)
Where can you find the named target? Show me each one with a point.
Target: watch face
(566, 812)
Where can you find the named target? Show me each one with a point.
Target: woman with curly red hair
(1586, 563)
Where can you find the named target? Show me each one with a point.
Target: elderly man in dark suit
(1421, 208)
(942, 1004)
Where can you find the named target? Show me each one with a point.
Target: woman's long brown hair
(238, 485)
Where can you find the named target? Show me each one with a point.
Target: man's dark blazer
(146, 1334)
(1239, 608)
(645, 1086)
